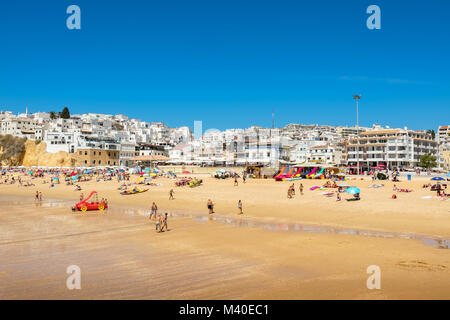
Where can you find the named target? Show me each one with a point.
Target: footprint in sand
(420, 265)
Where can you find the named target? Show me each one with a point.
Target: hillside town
(97, 140)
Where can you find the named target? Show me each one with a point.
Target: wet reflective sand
(205, 257)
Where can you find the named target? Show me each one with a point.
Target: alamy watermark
(74, 280)
(374, 280)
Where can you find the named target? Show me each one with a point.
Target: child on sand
(240, 207)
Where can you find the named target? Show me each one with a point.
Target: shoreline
(252, 222)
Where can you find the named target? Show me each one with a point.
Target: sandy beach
(307, 247)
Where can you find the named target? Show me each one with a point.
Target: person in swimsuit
(164, 223)
(171, 194)
(210, 206)
(158, 223)
(240, 207)
(154, 211)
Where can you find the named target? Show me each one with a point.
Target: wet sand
(122, 257)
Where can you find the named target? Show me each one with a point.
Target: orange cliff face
(37, 155)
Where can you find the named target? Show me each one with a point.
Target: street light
(356, 98)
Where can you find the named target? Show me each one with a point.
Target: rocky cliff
(36, 155)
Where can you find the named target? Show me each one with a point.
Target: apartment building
(395, 148)
(21, 127)
(325, 154)
(92, 152)
(443, 139)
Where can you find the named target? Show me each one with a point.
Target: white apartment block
(443, 139)
(396, 148)
(21, 127)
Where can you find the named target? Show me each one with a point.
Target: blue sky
(230, 62)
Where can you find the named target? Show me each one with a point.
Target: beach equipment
(84, 205)
(448, 175)
(353, 190)
(437, 179)
(343, 184)
(126, 193)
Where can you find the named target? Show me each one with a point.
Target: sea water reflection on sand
(239, 222)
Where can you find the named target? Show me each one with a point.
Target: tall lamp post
(356, 98)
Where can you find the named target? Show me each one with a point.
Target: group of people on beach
(291, 190)
(38, 196)
(160, 221)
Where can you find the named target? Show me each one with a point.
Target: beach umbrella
(448, 174)
(353, 190)
(437, 179)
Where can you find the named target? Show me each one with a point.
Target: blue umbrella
(353, 190)
(437, 179)
(448, 174)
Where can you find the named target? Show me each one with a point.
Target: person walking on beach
(236, 182)
(289, 193)
(338, 196)
(40, 196)
(37, 196)
(164, 223)
(243, 178)
(301, 189)
(210, 206)
(240, 207)
(171, 194)
(158, 224)
(293, 189)
(154, 211)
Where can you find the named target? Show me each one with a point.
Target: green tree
(53, 115)
(65, 114)
(433, 134)
(427, 161)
